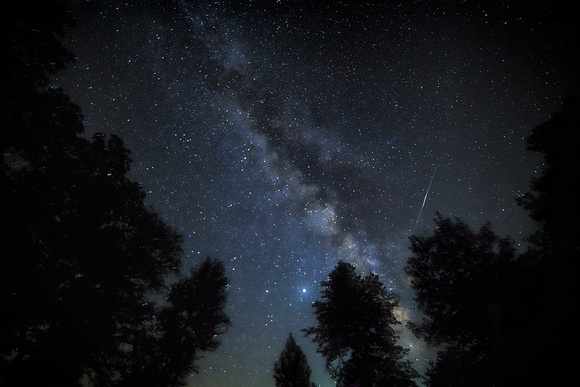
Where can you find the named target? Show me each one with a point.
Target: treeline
(83, 257)
(499, 318)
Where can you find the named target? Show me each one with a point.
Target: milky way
(282, 137)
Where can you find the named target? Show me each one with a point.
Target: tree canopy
(552, 196)
(501, 317)
(460, 277)
(457, 275)
(82, 254)
(551, 201)
(192, 322)
(355, 331)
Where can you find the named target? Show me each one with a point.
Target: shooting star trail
(425, 198)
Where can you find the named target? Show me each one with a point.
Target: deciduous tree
(81, 253)
(460, 279)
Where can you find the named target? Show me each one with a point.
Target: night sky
(284, 136)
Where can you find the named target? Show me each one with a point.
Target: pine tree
(356, 333)
(291, 369)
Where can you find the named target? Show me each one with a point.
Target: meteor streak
(425, 198)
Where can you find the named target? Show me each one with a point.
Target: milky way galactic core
(282, 137)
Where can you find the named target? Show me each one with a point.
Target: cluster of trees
(83, 258)
(499, 317)
(82, 255)
(355, 333)
(503, 318)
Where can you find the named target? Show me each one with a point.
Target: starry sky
(284, 136)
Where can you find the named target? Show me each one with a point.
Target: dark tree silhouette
(291, 369)
(552, 202)
(32, 52)
(81, 252)
(356, 333)
(552, 199)
(506, 322)
(460, 278)
(448, 272)
(191, 323)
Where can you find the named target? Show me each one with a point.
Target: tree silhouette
(82, 254)
(191, 323)
(355, 331)
(552, 202)
(460, 278)
(32, 52)
(552, 199)
(503, 320)
(291, 369)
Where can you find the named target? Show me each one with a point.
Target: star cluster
(284, 136)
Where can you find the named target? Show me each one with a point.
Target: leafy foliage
(460, 279)
(355, 331)
(457, 276)
(32, 51)
(83, 254)
(552, 199)
(501, 317)
(192, 322)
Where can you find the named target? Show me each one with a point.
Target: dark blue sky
(283, 136)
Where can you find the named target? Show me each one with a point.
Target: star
(282, 138)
